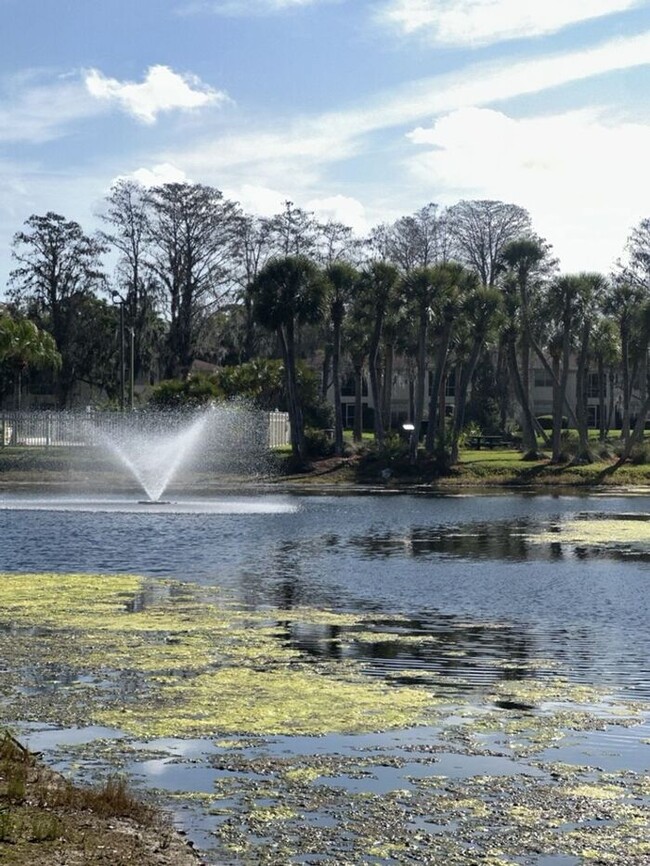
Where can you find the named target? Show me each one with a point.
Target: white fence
(279, 430)
(51, 429)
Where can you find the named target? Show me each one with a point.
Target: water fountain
(152, 452)
(157, 448)
(202, 451)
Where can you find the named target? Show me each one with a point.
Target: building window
(347, 387)
(450, 383)
(542, 378)
(593, 385)
(593, 416)
(347, 410)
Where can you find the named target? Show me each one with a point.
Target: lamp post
(121, 301)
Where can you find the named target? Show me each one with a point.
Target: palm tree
(419, 287)
(342, 279)
(593, 287)
(454, 281)
(423, 288)
(607, 352)
(377, 286)
(526, 262)
(622, 303)
(482, 314)
(566, 304)
(289, 292)
(23, 346)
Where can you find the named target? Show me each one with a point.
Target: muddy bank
(47, 821)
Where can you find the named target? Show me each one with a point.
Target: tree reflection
(454, 652)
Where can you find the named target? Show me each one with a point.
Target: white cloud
(37, 107)
(476, 22)
(162, 90)
(159, 174)
(294, 151)
(482, 84)
(257, 200)
(341, 208)
(581, 177)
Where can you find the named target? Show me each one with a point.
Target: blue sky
(361, 111)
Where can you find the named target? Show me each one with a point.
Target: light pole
(120, 301)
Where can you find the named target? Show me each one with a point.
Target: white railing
(51, 429)
(279, 430)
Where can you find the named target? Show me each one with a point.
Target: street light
(121, 301)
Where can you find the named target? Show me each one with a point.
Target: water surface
(459, 594)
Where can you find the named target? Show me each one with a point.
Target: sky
(358, 110)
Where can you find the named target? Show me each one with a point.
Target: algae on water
(597, 532)
(199, 668)
(168, 659)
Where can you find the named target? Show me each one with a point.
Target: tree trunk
(336, 376)
(528, 435)
(602, 421)
(611, 409)
(387, 386)
(636, 436)
(550, 369)
(625, 367)
(560, 399)
(441, 418)
(584, 454)
(328, 355)
(461, 396)
(293, 400)
(525, 367)
(440, 363)
(502, 380)
(357, 434)
(557, 413)
(375, 379)
(420, 387)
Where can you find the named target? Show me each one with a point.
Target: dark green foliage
(193, 392)
(260, 380)
(392, 463)
(640, 455)
(317, 411)
(319, 444)
(546, 422)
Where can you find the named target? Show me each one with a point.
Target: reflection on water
(455, 654)
(499, 541)
(454, 567)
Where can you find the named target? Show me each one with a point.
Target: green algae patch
(165, 659)
(557, 689)
(599, 532)
(596, 792)
(61, 600)
(243, 700)
(274, 813)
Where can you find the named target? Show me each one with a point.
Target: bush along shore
(508, 468)
(46, 820)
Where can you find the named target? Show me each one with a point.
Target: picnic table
(499, 440)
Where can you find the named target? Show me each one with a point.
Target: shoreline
(478, 473)
(46, 817)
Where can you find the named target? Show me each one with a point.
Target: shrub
(318, 444)
(546, 422)
(639, 455)
(193, 392)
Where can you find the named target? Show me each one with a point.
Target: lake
(523, 618)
